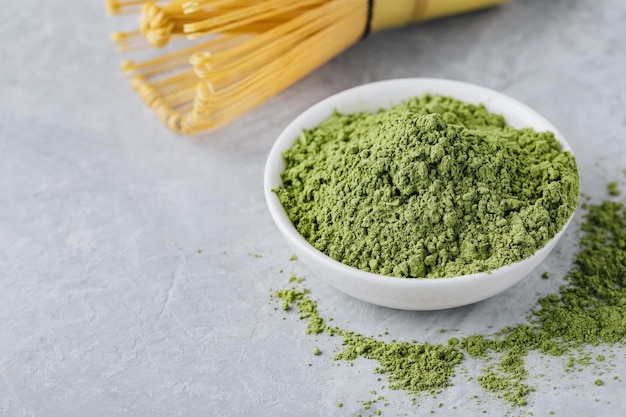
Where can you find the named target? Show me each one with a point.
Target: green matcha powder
(431, 188)
(589, 310)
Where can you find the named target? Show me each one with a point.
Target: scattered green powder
(317, 351)
(411, 367)
(589, 310)
(293, 257)
(307, 308)
(434, 187)
(295, 279)
(613, 188)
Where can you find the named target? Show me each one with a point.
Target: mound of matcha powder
(432, 188)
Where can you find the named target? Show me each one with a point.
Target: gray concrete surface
(107, 308)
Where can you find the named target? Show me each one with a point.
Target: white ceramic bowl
(402, 293)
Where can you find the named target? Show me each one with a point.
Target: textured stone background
(108, 309)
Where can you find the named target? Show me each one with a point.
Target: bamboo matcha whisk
(248, 50)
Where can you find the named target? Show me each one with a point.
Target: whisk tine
(254, 50)
(121, 7)
(272, 42)
(223, 68)
(244, 16)
(251, 49)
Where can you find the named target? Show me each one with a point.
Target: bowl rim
(286, 139)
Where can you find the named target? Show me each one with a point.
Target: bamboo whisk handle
(395, 13)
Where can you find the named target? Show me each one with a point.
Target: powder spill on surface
(588, 311)
(434, 187)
